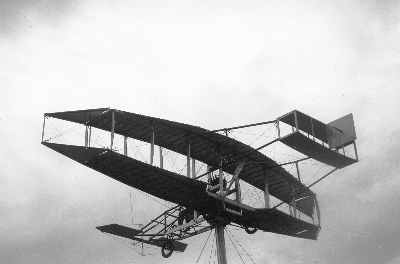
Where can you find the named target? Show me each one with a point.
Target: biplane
(211, 200)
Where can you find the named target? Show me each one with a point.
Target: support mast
(220, 243)
(220, 227)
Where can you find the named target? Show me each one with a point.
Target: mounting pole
(220, 243)
(220, 227)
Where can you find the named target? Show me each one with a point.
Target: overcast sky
(208, 63)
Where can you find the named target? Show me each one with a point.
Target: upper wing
(205, 146)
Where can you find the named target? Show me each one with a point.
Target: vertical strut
(220, 243)
(209, 173)
(193, 168)
(126, 146)
(161, 159)
(266, 190)
(296, 121)
(221, 179)
(86, 136)
(238, 196)
(44, 125)
(278, 128)
(298, 170)
(355, 150)
(90, 136)
(152, 146)
(188, 161)
(112, 128)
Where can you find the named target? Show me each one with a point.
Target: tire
(167, 249)
(250, 230)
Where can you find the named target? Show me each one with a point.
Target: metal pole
(220, 243)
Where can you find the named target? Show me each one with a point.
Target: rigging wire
(242, 247)
(258, 137)
(157, 201)
(211, 252)
(61, 133)
(236, 249)
(131, 202)
(204, 246)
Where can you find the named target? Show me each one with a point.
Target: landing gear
(167, 249)
(250, 230)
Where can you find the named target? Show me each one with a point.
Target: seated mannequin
(186, 214)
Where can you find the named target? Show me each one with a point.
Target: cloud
(208, 65)
(18, 14)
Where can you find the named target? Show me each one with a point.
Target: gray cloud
(18, 14)
(326, 60)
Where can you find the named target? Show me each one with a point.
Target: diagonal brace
(238, 169)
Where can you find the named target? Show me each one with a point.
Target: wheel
(167, 249)
(250, 230)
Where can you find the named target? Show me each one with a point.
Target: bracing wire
(61, 133)
(236, 249)
(258, 137)
(242, 247)
(131, 202)
(211, 253)
(157, 201)
(204, 246)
